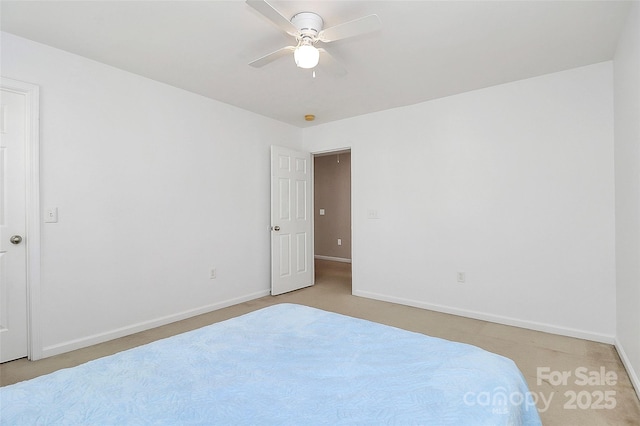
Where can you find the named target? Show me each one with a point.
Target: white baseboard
(633, 376)
(531, 325)
(333, 259)
(142, 326)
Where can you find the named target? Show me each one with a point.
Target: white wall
(154, 187)
(627, 165)
(513, 184)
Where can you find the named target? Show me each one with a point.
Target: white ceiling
(425, 50)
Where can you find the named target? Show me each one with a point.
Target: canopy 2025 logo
(593, 399)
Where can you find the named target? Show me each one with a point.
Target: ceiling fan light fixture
(306, 56)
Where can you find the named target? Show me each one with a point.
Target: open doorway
(332, 216)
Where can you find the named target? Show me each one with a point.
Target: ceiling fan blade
(356, 27)
(272, 14)
(330, 64)
(267, 59)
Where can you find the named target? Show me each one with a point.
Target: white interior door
(291, 220)
(13, 269)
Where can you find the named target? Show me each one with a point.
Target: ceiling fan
(307, 29)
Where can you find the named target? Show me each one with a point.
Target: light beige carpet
(572, 379)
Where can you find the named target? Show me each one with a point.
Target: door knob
(15, 239)
(276, 228)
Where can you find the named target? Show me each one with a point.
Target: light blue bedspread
(285, 364)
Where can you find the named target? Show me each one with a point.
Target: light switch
(51, 215)
(321, 212)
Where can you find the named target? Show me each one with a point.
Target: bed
(284, 364)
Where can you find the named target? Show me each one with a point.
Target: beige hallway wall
(332, 193)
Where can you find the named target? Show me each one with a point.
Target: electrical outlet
(214, 274)
(339, 241)
(462, 277)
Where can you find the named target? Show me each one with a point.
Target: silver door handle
(15, 239)
(275, 228)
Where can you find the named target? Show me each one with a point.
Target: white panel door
(13, 269)
(291, 220)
